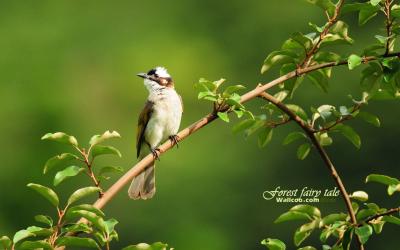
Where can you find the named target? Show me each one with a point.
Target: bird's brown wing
(142, 124)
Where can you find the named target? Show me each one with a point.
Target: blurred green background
(70, 66)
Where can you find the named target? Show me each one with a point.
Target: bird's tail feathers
(143, 186)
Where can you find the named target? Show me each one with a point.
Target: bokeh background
(70, 66)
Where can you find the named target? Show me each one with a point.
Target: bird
(159, 120)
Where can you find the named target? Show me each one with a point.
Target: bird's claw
(156, 153)
(174, 139)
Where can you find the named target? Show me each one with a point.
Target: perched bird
(158, 121)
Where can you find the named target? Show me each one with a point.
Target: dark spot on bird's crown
(151, 72)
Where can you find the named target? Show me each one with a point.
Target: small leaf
(81, 193)
(303, 151)
(96, 139)
(5, 242)
(44, 219)
(145, 246)
(354, 61)
(72, 241)
(22, 234)
(312, 211)
(104, 150)
(110, 224)
(359, 195)
(273, 244)
(293, 136)
(232, 89)
(34, 245)
(110, 169)
(307, 248)
(86, 207)
(326, 5)
(292, 215)
(265, 137)
(332, 218)
(367, 12)
(370, 118)
(96, 220)
(375, 2)
(61, 137)
(46, 192)
(67, 173)
(383, 179)
(278, 58)
(78, 228)
(349, 133)
(58, 160)
(395, 12)
(224, 116)
(300, 236)
(364, 233)
(391, 219)
(298, 111)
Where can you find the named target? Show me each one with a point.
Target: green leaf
(58, 160)
(22, 234)
(364, 233)
(298, 41)
(34, 245)
(145, 246)
(81, 193)
(307, 248)
(367, 12)
(208, 94)
(293, 136)
(44, 219)
(224, 116)
(77, 228)
(303, 151)
(332, 218)
(104, 150)
(300, 236)
(5, 242)
(325, 5)
(393, 188)
(40, 231)
(281, 95)
(72, 241)
(338, 35)
(371, 50)
(86, 207)
(370, 118)
(265, 137)
(359, 195)
(292, 215)
(96, 139)
(298, 111)
(61, 137)
(391, 219)
(354, 61)
(273, 244)
(312, 211)
(232, 89)
(375, 2)
(96, 220)
(370, 78)
(46, 192)
(319, 79)
(243, 125)
(110, 169)
(278, 58)
(395, 11)
(349, 133)
(67, 173)
(383, 179)
(110, 224)
(324, 139)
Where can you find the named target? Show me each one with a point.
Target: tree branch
(141, 165)
(311, 135)
(376, 216)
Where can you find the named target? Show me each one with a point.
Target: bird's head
(157, 79)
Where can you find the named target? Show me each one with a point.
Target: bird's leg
(156, 153)
(174, 139)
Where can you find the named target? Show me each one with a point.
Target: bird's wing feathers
(142, 124)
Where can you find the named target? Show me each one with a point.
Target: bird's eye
(155, 75)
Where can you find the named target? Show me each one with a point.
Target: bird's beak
(143, 75)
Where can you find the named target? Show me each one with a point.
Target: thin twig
(376, 216)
